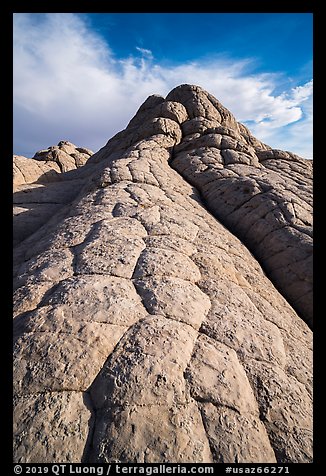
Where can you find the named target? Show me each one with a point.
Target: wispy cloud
(146, 53)
(68, 84)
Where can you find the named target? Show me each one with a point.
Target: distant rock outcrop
(145, 327)
(34, 203)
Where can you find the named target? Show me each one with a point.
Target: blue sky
(81, 77)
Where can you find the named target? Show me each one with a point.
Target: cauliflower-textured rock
(146, 329)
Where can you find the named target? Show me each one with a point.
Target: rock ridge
(134, 304)
(35, 200)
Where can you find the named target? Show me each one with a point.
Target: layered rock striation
(162, 311)
(35, 199)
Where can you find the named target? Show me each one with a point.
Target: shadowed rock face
(35, 198)
(263, 195)
(145, 329)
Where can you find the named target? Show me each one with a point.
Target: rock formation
(35, 203)
(162, 309)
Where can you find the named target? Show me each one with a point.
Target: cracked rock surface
(35, 199)
(163, 310)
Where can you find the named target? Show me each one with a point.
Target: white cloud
(146, 53)
(302, 93)
(69, 85)
(281, 131)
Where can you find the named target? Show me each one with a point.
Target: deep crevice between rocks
(88, 448)
(206, 206)
(251, 249)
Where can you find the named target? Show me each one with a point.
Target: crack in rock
(149, 323)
